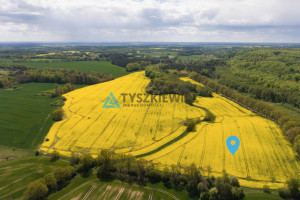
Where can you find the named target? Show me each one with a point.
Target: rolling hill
(157, 133)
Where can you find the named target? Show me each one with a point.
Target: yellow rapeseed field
(157, 133)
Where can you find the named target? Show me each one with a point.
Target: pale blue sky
(150, 20)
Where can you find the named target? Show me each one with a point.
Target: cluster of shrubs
(292, 191)
(6, 81)
(137, 66)
(60, 90)
(163, 82)
(50, 183)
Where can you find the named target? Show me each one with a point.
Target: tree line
(289, 126)
(204, 67)
(110, 166)
(49, 184)
(129, 169)
(123, 59)
(24, 74)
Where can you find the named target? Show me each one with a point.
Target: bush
(37, 153)
(204, 196)
(284, 193)
(36, 190)
(103, 174)
(75, 159)
(63, 98)
(51, 182)
(297, 144)
(293, 186)
(58, 114)
(189, 98)
(234, 181)
(154, 176)
(266, 189)
(62, 175)
(191, 125)
(55, 156)
(237, 193)
(205, 92)
(209, 117)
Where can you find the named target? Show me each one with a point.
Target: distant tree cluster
(123, 59)
(137, 66)
(61, 76)
(204, 67)
(164, 82)
(6, 82)
(23, 74)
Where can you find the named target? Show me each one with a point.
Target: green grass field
(5, 60)
(159, 53)
(25, 118)
(262, 196)
(258, 194)
(195, 57)
(17, 174)
(293, 112)
(88, 66)
(92, 188)
(10, 153)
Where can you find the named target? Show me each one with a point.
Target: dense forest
(269, 74)
(23, 74)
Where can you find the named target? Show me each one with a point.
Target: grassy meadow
(17, 174)
(92, 188)
(87, 66)
(25, 117)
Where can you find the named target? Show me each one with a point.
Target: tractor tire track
(264, 153)
(74, 190)
(204, 148)
(283, 150)
(100, 134)
(243, 149)
(120, 134)
(181, 155)
(89, 192)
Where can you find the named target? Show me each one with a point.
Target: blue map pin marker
(233, 144)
